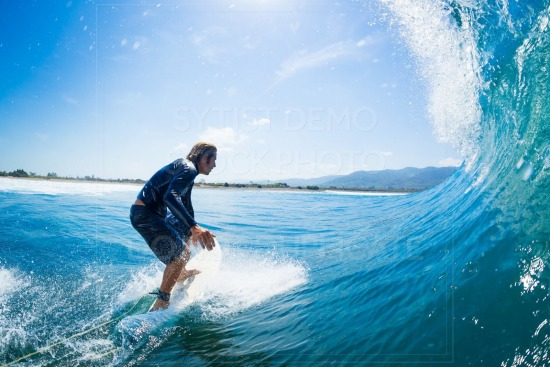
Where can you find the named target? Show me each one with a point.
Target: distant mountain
(402, 179)
(319, 181)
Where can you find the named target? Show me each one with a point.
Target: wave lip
(449, 63)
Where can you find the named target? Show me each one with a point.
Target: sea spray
(449, 63)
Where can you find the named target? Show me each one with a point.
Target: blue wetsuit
(169, 188)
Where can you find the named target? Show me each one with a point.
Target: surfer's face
(205, 165)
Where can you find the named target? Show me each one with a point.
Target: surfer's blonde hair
(199, 150)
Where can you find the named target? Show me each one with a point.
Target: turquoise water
(456, 275)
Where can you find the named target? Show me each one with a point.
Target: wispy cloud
(224, 138)
(42, 136)
(368, 41)
(450, 162)
(180, 150)
(305, 60)
(261, 122)
(211, 43)
(181, 147)
(70, 100)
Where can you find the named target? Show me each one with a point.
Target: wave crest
(445, 47)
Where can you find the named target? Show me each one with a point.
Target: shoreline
(72, 179)
(257, 187)
(300, 189)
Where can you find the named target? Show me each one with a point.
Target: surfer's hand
(203, 237)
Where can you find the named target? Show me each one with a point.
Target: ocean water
(455, 275)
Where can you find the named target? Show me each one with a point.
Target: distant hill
(402, 179)
(319, 181)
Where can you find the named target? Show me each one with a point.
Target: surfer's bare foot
(159, 305)
(187, 273)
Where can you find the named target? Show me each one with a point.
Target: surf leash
(53, 345)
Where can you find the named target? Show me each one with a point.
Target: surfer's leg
(184, 274)
(166, 243)
(169, 278)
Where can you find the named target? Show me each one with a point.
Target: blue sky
(285, 89)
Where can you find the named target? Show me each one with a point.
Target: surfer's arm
(202, 236)
(179, 186)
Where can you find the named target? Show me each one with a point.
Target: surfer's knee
(179, 261)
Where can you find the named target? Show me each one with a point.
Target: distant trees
(52, 175)
(23, 173)
(18, 173)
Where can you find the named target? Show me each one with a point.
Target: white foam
(12, 333)
(56, 187)
(144, 281)
(449, 62)
(10, 282)
(246, 280)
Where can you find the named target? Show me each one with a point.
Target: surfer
(169, 234)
